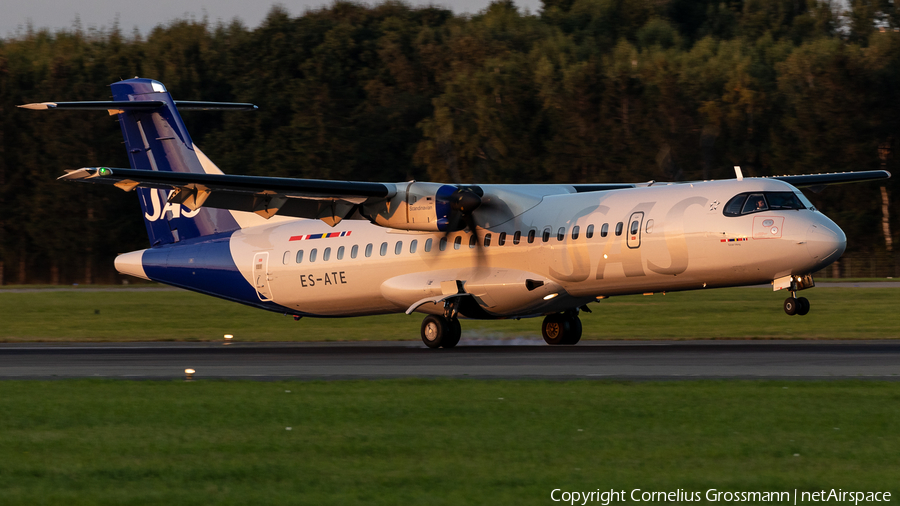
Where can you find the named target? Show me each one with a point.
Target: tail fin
(157, 139)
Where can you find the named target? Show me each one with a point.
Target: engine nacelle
(427, 207)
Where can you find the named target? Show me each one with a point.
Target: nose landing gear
(794, 305)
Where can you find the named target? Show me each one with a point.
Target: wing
(406, 206)
(817, 182)
(330, 201)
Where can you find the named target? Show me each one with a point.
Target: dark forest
(580, 91)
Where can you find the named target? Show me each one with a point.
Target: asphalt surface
(637, 360)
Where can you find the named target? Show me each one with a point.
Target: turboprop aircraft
(316, 248)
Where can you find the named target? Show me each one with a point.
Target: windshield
(748, 203)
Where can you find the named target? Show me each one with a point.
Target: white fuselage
(682, 241)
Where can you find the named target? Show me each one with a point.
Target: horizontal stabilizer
(191, 105)
(183, 105)
(94, 105)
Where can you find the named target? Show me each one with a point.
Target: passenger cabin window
(383, 250)
(649, 226)
(561, 233)
(398, 248)
(473, 241)
(368, 250)
(413, 245)
(749, 203)
(546, 235)
(443, 244)
(427, 245)
(501, 239)
(299, 256)
(619, 228)
(487, 240)
(312, 255)
(575, 230)
(326, 255)
(531, 236)
(457, 242)
(604, 230)
(354, 251)
(340, 253)
(517, 237)
(286, 259)
(635, 227)
(589, 232)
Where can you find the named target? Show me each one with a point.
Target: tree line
(580, 91)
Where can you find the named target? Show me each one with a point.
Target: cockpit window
(748, 203)
(733, 207)
(755, 202)
(784, 200)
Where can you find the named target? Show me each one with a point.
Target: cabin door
(261, 275)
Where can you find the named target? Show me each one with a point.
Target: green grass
(436, 441)
(735, 313)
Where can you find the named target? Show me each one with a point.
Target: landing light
(189, 374)
(548, 297)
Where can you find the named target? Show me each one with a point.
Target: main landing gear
(443, 331)
(561, 328)
(440, 332)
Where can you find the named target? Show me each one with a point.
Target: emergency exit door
(634, 230)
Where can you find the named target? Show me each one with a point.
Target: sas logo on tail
(158, 210)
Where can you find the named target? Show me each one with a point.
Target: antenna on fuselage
(737, 173)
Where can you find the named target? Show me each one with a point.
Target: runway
(635, 360)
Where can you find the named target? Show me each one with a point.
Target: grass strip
(436, 441)
(733, 313)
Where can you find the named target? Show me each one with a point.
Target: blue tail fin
(156, 139)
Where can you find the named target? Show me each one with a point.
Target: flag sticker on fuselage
(736, 239)
(320, 236)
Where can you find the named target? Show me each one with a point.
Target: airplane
(319, 248)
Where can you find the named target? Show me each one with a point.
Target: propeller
(463, 202)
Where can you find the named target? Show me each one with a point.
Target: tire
(574, 334)
(453, 334)
(435, 331)
(802, 306)
(555, 329)
(791, 306)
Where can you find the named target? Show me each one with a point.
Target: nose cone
(826, 243)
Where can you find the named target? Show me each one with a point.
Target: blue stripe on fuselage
(205, 265)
